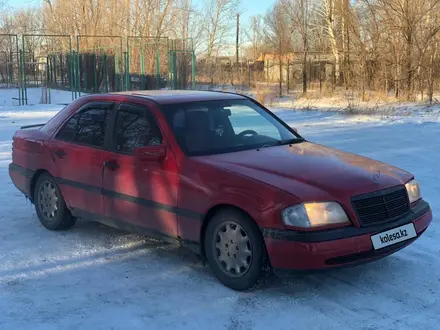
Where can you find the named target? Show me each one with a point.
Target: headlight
(413, 190)
(311, 215)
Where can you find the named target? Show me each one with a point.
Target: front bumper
(295, 250)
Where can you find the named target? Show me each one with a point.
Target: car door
(140, 191)
(77, 150)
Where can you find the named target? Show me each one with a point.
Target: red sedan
(219, 173)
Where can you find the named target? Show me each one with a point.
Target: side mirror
(151, 153)
(294, 128)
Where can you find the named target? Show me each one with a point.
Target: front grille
(381, 206)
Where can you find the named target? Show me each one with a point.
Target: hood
(311, 171)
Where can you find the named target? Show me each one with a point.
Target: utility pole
(346, 40)
(304, 7)
(237, 39)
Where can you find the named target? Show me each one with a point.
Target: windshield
(206, 128)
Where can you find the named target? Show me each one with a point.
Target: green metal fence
(44, 62)
(182, 64)
(10, 64)
(99, 64)
(95, 64)
(147, 63)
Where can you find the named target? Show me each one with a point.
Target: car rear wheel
(235, 250)
(50, 205)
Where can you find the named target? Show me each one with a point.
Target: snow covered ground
(93, 277)
(9, 96)
(355, 106)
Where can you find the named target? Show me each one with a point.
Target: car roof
(164, 97)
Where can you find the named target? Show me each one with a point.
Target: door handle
(111, 164)
(60, 153)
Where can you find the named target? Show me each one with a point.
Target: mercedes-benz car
(222, 175)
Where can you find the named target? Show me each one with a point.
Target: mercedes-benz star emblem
(376, 176)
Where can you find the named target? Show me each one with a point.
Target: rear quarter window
(67, 132)
(52, 125)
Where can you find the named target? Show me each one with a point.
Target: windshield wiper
(291, 141)
(282, 143)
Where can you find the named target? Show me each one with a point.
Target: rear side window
(135, 128)
(87, 127)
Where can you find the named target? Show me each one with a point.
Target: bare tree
(3, 7)
(374, 45)
(415, 23)
(278, 35)
(329, 15)
(299, 14)
(361, 40)
(255, 35)
(218, 27)
(219, 18)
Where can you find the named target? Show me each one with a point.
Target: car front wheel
(235, 250)
(50, 206)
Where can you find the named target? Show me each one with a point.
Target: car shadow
(352, 279)
(113, 237)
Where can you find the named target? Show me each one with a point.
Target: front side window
(205, 128)
(135, 128)
(86, 127)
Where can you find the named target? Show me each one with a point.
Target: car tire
(234, 241)
(50, 206)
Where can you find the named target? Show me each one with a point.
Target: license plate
(393, 236)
